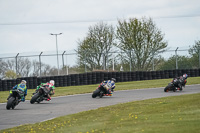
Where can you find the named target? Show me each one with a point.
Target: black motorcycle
(175, 85)
(40, 95)
(14, 99)
(100, 91)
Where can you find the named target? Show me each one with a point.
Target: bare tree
(141, 40)
(96, 46)
(24, 66)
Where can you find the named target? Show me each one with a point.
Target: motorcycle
(100, 91)
(14, 99)
(176, 84)
(40, 95)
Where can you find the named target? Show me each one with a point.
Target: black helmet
(113, 79)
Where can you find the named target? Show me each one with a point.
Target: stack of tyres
(65, 80)
(4, 85)
(30, 82)
(137, 76)
(199, 71)
(69, 80)
(9, 84)
(175, 73)
(133, 76)
(188, 72)
(35, 83)
(89, 78)
(153, 73)
(1, 89)
(98, 77)
(192, 72)
(14, 82)
(171, 75)
(129, 76)
(149, 75)
(121, 76)
(183, 71)
(125, 78)
(101, 77)
(81, 79)
(44, 80)
(105, 75)
(77, 80)
(60, 78)
(141, 73)
(145, 74)
(39, 80)
(179, 71)
(114, 75)
(166, 73)
(109, 75)
(85, 81)
(56, 79)
(48, 78)
(196, 72)
(162, 74)
(158, 75)
(117, 76)
(72, 79)
(94, 79)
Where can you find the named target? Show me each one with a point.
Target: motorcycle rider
(50, 88)
(180, 81)
(21, 87)
(110, 86)
(183, 79)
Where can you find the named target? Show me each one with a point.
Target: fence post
(16, 64)
(176, 58)
(199, 57)
(40, 62)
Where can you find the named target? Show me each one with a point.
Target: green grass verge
(71, 90)
(177, 114)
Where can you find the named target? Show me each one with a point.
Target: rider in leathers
(110, 86)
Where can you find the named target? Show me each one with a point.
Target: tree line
(139, 41)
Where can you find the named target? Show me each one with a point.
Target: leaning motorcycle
(100, 91)
(14, 99)
(173, 86)
(40, 95)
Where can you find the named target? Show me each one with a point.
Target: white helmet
(52, 82)
(23, 81)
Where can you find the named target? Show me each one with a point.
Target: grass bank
(177, 114)
(71, 90)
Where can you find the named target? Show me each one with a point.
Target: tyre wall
(97, 77)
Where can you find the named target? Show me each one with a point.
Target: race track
(31, 113)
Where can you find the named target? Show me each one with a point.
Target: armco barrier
(97, 77)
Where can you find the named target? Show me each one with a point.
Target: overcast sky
(25, 25)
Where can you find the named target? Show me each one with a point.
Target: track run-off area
(26, 113)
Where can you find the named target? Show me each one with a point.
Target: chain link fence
(64, 62)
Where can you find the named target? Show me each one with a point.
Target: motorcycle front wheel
(167, 88)
(10, 103)
(95, 93)
(34, 98)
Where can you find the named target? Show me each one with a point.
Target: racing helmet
(113, 79)
(185, 76)
(52, 82)
(23, 81)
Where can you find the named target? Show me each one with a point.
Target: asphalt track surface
(26, 113)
